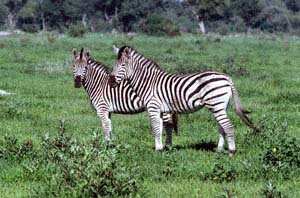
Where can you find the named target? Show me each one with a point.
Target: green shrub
(25, 42)
(270, 191)
(12, 149)
(158, 26)
(30, 28)
(222, 170)
(186, 25)
(228, 193)
(295, 21)
(90, 169)
(218, 27)
(273, 19)
(52, 37)
(237, 24)
(222, 29)
(280, 152)
(76, 30)
(99, 25)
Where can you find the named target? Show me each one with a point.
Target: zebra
(186, 93)
(94, 77)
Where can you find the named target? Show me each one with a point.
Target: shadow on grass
(204, 146)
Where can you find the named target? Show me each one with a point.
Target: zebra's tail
(175, 122)
(238, 107)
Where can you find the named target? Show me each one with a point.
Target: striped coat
(165, 92)
(105, 99)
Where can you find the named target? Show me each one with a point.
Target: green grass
(265, 72)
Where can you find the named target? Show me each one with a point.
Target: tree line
(152, 16)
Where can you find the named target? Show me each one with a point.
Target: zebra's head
(122, 69)
(80, 66)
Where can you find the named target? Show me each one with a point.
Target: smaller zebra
(94, 77)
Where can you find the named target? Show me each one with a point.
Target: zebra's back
(188, 93)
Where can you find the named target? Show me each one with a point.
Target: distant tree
(207, 10)
(293, 5)
(40, 10)
(247, 9)
(13, 7)
(3, 13)
(109, 8)
(274, 19)
(134, 10)
(27, 17)
(50, 13)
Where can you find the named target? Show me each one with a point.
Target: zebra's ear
(127, 52)
(116, 50)
(75, 52)
(87, 55)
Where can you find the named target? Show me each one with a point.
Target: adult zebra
(94, 77)
(165, 92)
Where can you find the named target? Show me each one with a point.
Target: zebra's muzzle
(77, 82)
(112, 81)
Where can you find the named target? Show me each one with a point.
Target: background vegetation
(51, 139)
(169, 17)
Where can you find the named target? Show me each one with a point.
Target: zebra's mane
(136, 52)
(99, 65)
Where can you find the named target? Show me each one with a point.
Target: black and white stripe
(165, 92)
(121, 99)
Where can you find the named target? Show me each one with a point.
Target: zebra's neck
(96, 78)
(145, 75)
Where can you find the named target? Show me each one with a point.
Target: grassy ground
(265, 70)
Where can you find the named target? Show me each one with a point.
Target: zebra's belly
(183, 107)
(185, 111)
(128, 111)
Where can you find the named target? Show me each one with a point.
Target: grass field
(37, 69)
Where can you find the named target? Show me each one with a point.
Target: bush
(12, 149)
(158, 26)
(280, 152)
(273, 19)
(91, 169)
(30, 28)
(222, 29)
(270, 191)
(52, 37)
(237, 24)
(218, 27)
(222, 171)
(186, 25)
(76, 30)
(99, 25)
(295, 23)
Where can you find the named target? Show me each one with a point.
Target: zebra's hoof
(220, 151)
(168, 147)
(231, 153)
(160, 150)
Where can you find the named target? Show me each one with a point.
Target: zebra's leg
(110, 126)
(156, 123)
(227, 127)
(221, 139)
(104, 116)
(168, 127)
